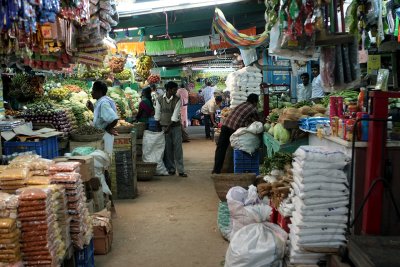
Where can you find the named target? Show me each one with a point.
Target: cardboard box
(102, 243)
(87, 165)
(102, 232)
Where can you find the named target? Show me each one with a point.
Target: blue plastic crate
(247, 170)
(241, 155)
(85, 257)
(46, 148)
(246, 163)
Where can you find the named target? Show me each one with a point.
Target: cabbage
(271, 130)
(281, 134)
(267, 126)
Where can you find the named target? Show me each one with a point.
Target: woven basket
(145, 170)
(225, 181)
(86, 138)
(140, 127)
(124, 129)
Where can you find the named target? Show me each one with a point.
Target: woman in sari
(146, 108)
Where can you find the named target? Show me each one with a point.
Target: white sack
(319, 186)
(101, 162)
(241, 214)
(257, 245)
(297, 169)
(319, 154)
(153, 150)
(320, 165)
(246, 138)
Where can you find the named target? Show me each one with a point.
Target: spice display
(87, 130)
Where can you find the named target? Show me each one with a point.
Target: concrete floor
(173, 221)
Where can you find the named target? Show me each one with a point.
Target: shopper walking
(168, 116)
(208, 92)
(146, 108)
(242, 116)
(184, 95)
(208, 110)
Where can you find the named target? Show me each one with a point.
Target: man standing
(167, 114)
(208, 92)
(242, 116)
(208, 110)
(105, 114)
(317, 89)
(184, 96)
(304, 90)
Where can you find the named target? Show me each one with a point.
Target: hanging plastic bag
(153, 150)
(257, 244)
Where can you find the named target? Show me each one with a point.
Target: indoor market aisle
(173, 222)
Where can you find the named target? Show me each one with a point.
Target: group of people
(310, 91)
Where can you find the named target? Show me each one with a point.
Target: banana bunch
(143, 66)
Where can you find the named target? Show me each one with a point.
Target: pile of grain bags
(242, 83)
(320, 201)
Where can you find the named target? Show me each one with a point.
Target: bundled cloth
(320, 202)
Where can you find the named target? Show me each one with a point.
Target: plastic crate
(85, 257)
(246, 163)
(46, 148)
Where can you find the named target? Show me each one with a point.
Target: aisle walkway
(173, 221)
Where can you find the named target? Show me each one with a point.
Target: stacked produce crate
(123, 169)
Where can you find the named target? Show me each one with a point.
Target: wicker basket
(140, 127)
(225, 181)
(145, 170)
(124, 129)
(86, 138)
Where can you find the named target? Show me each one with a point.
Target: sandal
(182, 174)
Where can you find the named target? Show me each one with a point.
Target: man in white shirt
(208, 110)
(208, 92)
(317, 88)
(304, 90)
(167, 113)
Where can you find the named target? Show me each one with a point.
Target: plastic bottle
(364, 127)
(341, 128)
(360, 100)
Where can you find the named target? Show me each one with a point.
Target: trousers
(222, 146)
(207, 124)
(173, 155)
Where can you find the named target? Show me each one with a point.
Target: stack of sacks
(67, 174)
(41, 240)
(103, 16)
(10, 252)
(321, 199)
(12, 179)
(242, 83)
(8, 206)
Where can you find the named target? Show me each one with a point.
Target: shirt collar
(168, 99)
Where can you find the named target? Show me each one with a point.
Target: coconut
(319, 108)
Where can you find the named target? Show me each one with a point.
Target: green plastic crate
(275, 146)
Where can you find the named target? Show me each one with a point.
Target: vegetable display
(87, 130)
(59, 94)
(126, 74)
(117, 64)
(348, 96)
(153, 78)
(143, 66)
(276, 162)
(25, 88)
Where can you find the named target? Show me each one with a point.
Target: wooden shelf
(336, 39)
